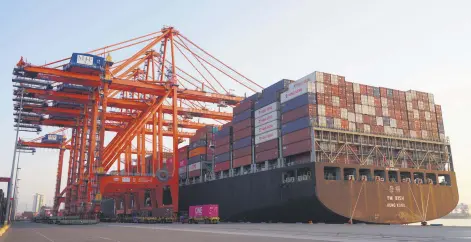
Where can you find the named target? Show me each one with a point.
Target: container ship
(324, 149)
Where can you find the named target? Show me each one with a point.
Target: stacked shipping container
(242, 132)
(183, 160)
(200, 151)
(223, 148)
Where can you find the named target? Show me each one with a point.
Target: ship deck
(235, 232)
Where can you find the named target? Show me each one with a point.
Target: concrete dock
(26, 231)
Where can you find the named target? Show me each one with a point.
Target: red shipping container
(222, 149)
(335, 91)
(328, 111)
(242, 161)
(349, 86)
(342, 90)
(269, 145)
(222, 166)
(296, 136)
(379, 112)
(307, 110)
(266, 155)
(327, 78)
(242, 152)
(356, 98)
(242, 107)
(383, 92)
(320, 98)
(194, 173)
(242, 125)
(327, 89)
(351, 107)
(390, 103)
(297, 148)
(343, 103)
(243, 133)
(341, 80)
(344, 124)
(328, 100)
(369, 90)
(222, 140)
(366, 119)
(377, 102)
(336, 112)
(363, 89)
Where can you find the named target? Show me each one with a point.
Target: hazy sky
(421, 45)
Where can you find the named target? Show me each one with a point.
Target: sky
(420, 45)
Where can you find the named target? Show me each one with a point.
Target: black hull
(261, 197)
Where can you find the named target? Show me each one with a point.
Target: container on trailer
(265, 100)
(267, 118)
(243, 133)
(297, 125)
(299, 90)
(307, 110)
(242, 116)
(267, 136)
(297, 147)
(222, 141)
(275, 88)
(222, 166)
(242, 143)
(302, 100)
(222, 149)
(242, 152)
(242, 161)
(275, 124)
(204, 211)
(296, 136)
(196, 159)
(222, 157)
(242, 125)
(266, 155)
(198, 151)
(243, 106)
(267, 109)
(268, 145)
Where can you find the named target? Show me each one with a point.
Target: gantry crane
(145, 94)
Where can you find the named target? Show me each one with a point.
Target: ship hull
(265, 197)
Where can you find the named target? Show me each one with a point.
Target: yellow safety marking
(4, 229)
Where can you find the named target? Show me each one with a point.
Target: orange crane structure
(142, 98)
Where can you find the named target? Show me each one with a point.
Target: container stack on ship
(200, 153)
(324, 149)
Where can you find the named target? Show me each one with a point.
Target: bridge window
(419, 175)
(432, 177)
(444, 179)
(365, 172)
(289, 176)
(304, 174)
(392, 176)
(348, 172)
(331, 173)
(405, 176)
(380, 173)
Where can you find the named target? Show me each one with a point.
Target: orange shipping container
(198, 151)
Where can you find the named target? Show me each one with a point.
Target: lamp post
(10, 183)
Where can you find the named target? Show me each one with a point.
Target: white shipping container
(343, 113)
(334, 79)
(428, 117)
(385, 112)
(393, 123)
(275, 124)
(320, 87)
(408, 96)
(321, 109)
(432, 107)
(267, 136)
(359, 118)
(351, 117)
(414, 94)
(424, 134)
(384, 102)
(416, 114)
(364, 99)
(300, 82)
(372, 111)
(297, 91)
(413, 134)
(194, 166)
(335, 101)
(400, 132)
(367, 128)
(430, 98)
(319, 76)
(267, 109)
(442, 137)
(387, 130)
(365, 109)
(358, 108)
(337, 123)
(379, 121)
(421, 105)
(356, 87)
(409, 105)
(351, 126)
(322, 121)
(267, 118)
(371, 101)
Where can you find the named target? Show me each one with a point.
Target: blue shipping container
(254, 97)
(265, 100)
(305, 99)
(52, 138)
(222, 157)
(242, 116)
(242, 143)
(199, 143)
(296, 125)
(376, 92)
(196, 159)
(330, 122)
(277, 87)
(223, 132)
